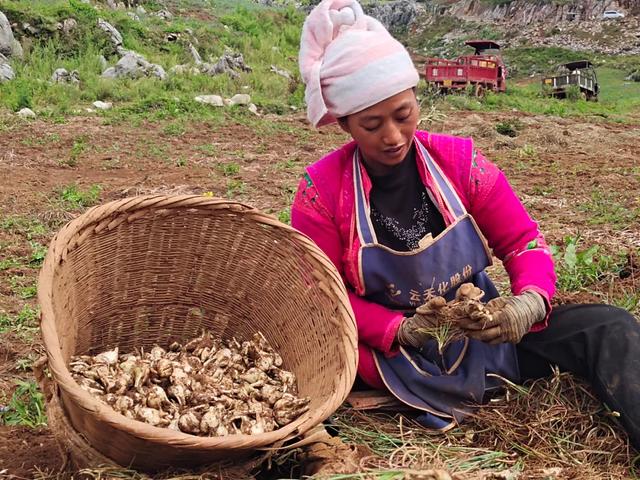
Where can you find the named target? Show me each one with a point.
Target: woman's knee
(621, 318)
(595, 315)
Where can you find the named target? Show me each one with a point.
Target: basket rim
(111, 214)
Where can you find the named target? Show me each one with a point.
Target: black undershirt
(402, 212)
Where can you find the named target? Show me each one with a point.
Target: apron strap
(449, 195)
(363, 218)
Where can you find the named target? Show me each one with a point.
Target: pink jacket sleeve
(377, 325)
(514, 237)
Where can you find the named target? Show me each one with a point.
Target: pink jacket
(324, 209)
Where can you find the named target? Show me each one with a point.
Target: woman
(407, 217)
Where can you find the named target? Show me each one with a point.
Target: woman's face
(384, 132)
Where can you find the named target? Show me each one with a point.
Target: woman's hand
(415, 330)
(512, 318)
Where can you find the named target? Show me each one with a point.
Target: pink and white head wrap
(349, 62)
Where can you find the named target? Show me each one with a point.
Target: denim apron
(442, 385)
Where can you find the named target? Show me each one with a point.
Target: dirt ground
(577, 177)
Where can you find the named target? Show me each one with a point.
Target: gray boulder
(134, 65)
(239, 99)
(9, 46)
(68, 25)
(215, 100)
(634, 76)
(395, 16)
(229, 62)
(100, 105)
(6, 71)
(283, 73)
(61, 75)
(114, 34)
(103, 62)
(164, 14)
(184, 70)
(26, 113)
(194, 53)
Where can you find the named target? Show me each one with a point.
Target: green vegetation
(605, 208)
(24, 324)
(11, 262)
(30, 228)
(431, 40)
(537, 60)
(619, 100)
(284, 216)
(229, 169)
(26, 406)
(580, 268)
(510, 128)
(72, 197)
(80, 145)
(235, 188)
(264, 36)
(38, 252)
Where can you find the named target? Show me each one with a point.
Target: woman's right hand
(415, 330)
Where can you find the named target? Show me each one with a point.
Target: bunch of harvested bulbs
(206, 387)
(447, 316)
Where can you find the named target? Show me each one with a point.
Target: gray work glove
(511, 318)
(414, 330)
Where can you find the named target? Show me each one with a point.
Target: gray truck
(582, 74)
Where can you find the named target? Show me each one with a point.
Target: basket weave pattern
(154, 269)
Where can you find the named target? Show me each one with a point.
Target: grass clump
(605, 208)
(29, 228)
(24, 324)
(26, 406)
(579, 268)
(72, 197)
(510, 128)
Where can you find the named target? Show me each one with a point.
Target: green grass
(284, 216)
(527, 60)
(578, 268)
(235, 187)
(619, 100)
(264, 36)
(80, 145)
(24, 323)
(229, 169)
(23, 287)
(604, 208)
(27, 227)
(175, 129)
(11, 262)
(38, 252)
(72, 197)
(26, 406)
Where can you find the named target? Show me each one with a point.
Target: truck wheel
(479, 91)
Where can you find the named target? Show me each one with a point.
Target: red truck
(484, 70)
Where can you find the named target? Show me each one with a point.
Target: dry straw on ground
(551, 428)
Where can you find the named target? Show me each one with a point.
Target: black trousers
(599, 343)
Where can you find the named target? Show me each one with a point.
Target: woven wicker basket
(154, 269)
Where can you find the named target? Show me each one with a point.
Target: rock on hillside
(525, 12)
(9, 46)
